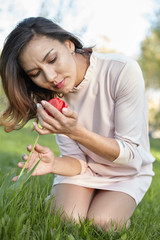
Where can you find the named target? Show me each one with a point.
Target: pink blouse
(111, 102)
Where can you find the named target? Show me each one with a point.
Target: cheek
(71, 66)
(68, 63)
(37, 82)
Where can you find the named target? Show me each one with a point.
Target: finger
(41, 149)
(55, 113)
(40, 119)
(48, 122)
(25, 157)
(42, 114)
(14, 179)
(29, 147)
(21, 164)
(42, 131)
(36, 127)
(69, 113)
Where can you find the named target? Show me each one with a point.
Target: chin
(66, 90)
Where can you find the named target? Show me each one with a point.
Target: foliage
(150, 55)
(24, 213)
(149, 61)
(157, 119)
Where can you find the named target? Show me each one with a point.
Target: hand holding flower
(63, 121)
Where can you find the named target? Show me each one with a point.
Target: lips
(60, 84)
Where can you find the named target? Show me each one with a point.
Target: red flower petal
(57, 103)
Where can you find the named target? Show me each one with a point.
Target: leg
(109, 207)
(72, 199)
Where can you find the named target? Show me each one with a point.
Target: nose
(50, 75)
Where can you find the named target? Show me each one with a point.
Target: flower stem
(28, 157)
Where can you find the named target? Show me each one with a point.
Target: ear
(70, 45)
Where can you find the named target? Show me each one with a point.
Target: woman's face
(51, 64)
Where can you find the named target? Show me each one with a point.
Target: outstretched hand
(61, 123)
(45, 165)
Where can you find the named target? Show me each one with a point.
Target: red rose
(57, 103)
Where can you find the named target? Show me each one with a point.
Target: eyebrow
(30, 70)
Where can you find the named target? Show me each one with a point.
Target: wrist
(54, 165)
(77, 134)
(66, 166)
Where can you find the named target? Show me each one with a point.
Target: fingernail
(38, 105)
(24, 155)
(43, 102)
(65, 109)
(34, 124)
(14, 179)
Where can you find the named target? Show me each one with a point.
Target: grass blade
(28, 157)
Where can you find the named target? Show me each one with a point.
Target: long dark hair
(21, 92)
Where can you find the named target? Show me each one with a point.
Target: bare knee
(111, 210)
(108, 223)
(71, 202)
(69, 214)
(66, 212)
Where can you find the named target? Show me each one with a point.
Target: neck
(82, 66)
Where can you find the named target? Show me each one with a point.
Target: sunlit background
(111, 25)
(119, 24)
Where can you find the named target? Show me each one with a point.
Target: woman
(105, 167)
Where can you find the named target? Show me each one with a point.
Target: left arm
(67, 124)
(104, 147)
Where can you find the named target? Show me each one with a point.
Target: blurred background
(130, 27)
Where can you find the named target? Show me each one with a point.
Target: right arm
(67, 166)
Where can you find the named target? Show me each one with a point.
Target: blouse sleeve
(129, 97)
(69, 147)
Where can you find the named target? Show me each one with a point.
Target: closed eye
(53, 60)
(35, 75)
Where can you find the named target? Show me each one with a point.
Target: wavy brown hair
(21, 92)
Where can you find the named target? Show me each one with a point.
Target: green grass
(24, 214)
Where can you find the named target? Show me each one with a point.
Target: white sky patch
(124, 22)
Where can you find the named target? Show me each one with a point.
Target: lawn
(24, 214)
